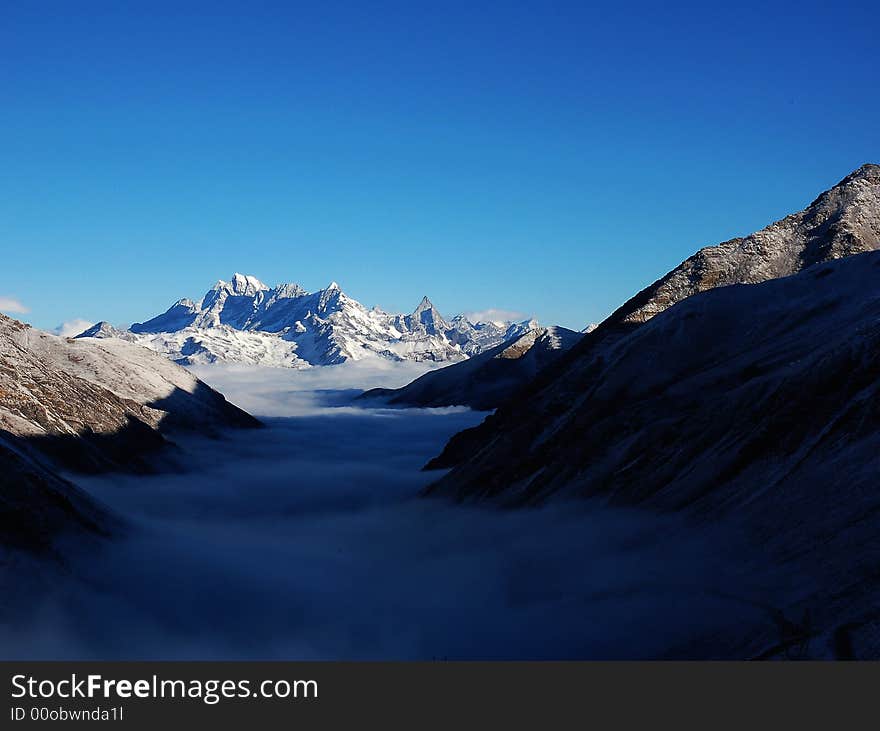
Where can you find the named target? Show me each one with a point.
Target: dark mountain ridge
(485, 380)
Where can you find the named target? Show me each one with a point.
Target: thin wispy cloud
(72, 327)
(495, 315)
(12, 305)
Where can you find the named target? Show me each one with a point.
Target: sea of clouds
(308, 540)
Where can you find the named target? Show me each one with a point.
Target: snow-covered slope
(245, 321)
(487, 379)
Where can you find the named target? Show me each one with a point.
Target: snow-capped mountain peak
(426, 317)
(425, 304)
(329, 298)
(244, 320)
(245, 285)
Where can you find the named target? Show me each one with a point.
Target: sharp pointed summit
(425, 304)
(427, 319)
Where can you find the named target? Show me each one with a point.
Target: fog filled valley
(308, 539)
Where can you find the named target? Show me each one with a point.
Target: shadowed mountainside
(36, 505)
(737, 375)
(757, 400)
(760, 402)
(486, 380)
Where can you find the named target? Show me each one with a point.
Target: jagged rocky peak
(329, 297)
(424, 305)
(241, 285)
(842, 221)
(427, 316)
(246, 286)
(288, 291)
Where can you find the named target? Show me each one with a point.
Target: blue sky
(547, 158)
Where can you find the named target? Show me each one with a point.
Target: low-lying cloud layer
(307, 540)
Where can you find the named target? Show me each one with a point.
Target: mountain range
(245, 321)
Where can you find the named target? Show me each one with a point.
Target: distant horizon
(543, 160)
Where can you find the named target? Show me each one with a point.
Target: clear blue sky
(549, 158)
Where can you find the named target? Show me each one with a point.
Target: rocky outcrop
(842, 221)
